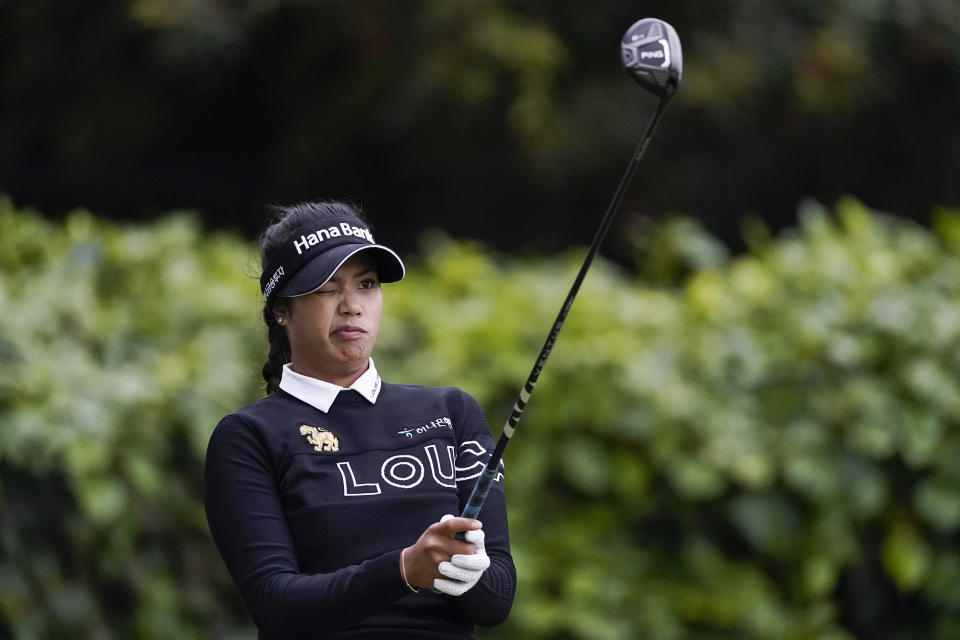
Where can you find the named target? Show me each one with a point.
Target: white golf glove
(463, 571)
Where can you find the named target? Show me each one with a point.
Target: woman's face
(332, 330)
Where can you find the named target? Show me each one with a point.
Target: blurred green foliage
(761, 446)
(118, 349)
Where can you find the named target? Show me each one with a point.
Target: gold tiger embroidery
(320, 438)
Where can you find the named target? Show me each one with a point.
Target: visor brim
(318, 271)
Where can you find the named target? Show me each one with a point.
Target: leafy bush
(119, 349)
(754, 447)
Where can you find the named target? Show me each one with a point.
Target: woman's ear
(280, 312)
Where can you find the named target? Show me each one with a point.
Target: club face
(651, 54)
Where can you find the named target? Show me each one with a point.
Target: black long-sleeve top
(310, 511)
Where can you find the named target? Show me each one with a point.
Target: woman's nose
(350, 303)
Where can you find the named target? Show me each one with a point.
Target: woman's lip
(349, 333)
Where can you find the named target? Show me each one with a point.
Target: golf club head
(650, 52)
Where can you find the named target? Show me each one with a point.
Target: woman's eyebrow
(337, 277)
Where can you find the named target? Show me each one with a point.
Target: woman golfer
(330, 499)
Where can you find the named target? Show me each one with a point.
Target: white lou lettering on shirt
(402, 471)
(351, 487)
(406, 471)
(468, 450)
(443, 479)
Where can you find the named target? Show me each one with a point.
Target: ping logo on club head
(647, 54)
(656, 53)
(320, 438)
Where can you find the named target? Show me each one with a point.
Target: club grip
(480, 491)
(477, 497)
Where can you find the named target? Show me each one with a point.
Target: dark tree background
(503, 121)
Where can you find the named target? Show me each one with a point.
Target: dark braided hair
(285, 220)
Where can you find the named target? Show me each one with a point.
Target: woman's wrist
(403, 572)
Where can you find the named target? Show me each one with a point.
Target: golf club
(650, 52)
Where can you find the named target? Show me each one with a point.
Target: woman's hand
(440, 561)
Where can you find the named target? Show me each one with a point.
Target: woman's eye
(370, 283)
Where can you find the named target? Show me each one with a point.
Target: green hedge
(762, 446)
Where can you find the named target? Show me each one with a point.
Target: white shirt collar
(321, 394)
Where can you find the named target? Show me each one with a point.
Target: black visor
(313, 254)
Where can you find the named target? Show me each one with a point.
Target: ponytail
(279, 351)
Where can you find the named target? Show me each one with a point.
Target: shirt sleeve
(247, 521)
(489, 602)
